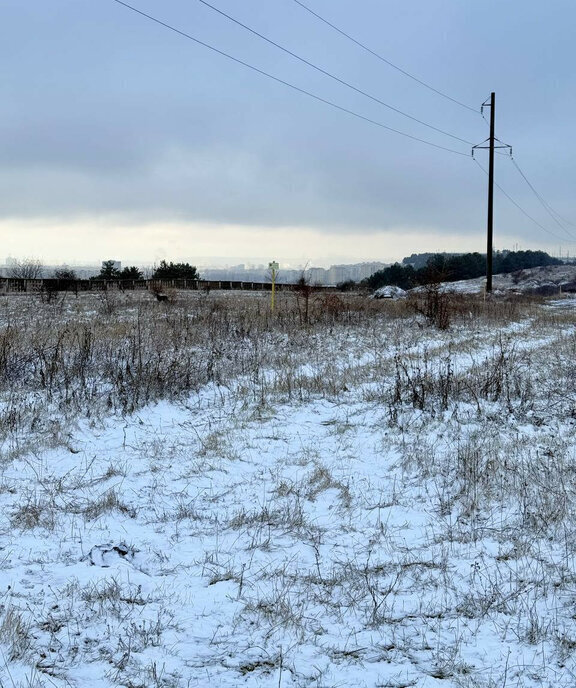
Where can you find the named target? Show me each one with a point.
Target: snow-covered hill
(555, 279)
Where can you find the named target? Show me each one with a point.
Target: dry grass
(471, 414)
(80, 359)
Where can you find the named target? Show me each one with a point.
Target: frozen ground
(365, 502)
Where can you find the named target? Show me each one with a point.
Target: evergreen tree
(108, 271)
(175, 271)
(131, 273)
(442, 267)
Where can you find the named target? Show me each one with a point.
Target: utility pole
(490, 231)
(491, 141)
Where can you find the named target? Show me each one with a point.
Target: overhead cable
(521, 209)
(383, 59)
(558, 219)
(287, 83)
(329, 74)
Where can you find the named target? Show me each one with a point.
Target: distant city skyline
(250, 271)
(252, 262)
(242, 271)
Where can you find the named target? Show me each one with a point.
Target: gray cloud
(107, 113)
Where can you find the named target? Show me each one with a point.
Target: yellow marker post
(273, 267)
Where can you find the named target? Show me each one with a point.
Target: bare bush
(26, 268)
(435, 303)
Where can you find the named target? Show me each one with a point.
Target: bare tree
(27, 268)
(304, 291)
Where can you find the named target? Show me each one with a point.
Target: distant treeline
(446, 268)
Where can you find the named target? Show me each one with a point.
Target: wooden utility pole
(491, 141)
(490, 229)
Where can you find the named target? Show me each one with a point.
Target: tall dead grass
(82, 356)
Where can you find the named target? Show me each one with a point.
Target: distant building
(317, 275)
(355, 272)
(332, 276)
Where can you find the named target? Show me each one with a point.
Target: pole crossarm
(488, 147)
(480, 146)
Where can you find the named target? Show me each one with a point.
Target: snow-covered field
(201, 493)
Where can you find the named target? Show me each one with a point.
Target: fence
(10, 285)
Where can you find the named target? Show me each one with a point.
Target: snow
(546, 280)
(389, 292)
(384, 520)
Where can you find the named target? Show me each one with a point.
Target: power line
(287, 83)
(383, 59)
(547, 207)
(329, 74)
(521, 209)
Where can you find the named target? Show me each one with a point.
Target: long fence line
(14, 285)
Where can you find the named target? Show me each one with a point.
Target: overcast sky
(121, 139)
